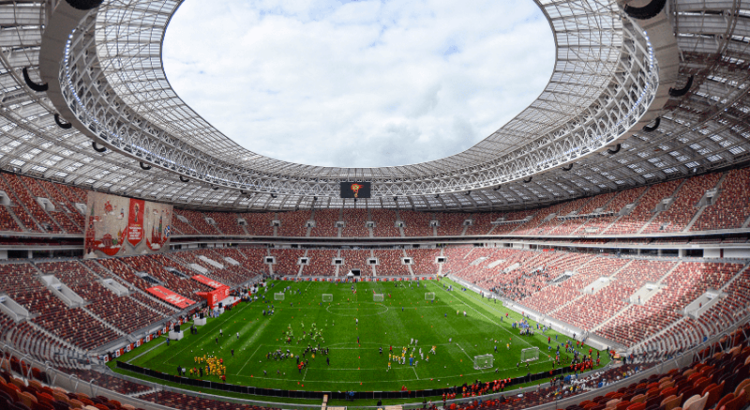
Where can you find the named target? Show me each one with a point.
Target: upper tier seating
(294, 223)
(197, 220)
(482, 224)
(226, 222)
(512, 216)
(259, 224)
(385, 223)
(355, 224)
(451, 224)
(634, 221)
(570, 226)
(682, 210)
(732, 208)
(325, 223)
(68, 205)
(417, 224)
(26, 208)
(548, 228)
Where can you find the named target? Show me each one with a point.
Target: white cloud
(360, 83)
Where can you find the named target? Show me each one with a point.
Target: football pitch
(353, 328)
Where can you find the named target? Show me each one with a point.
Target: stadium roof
(612, 77)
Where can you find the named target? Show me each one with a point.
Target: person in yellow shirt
(389, 366)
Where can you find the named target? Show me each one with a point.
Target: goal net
(429, 296)
(278, 296)
(483, 361)
(377, 297)
(530, 354)
(327, 297)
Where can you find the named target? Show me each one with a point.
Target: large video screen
(355, 189)
(119, 226)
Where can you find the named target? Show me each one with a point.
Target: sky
(358, 83)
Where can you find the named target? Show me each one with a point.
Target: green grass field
(357, 366)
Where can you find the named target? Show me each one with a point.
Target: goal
(377, 297)
(429, 296)
(530, 354)
(483, 361)
(278, 296)
(327, 297)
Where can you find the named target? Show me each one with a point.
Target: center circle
(351, 310)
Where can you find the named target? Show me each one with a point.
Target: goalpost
(483, 361)
(429, 296)
(278, 296)
(327, 297)
(377, 297)
(530, 354)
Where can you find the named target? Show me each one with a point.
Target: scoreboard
(355, 189)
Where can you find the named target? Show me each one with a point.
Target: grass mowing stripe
(402, 316)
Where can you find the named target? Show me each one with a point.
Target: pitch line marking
(491, 321)
(146, 352)
(462, 349)
(248, 360)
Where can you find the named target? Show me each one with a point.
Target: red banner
(208, 282)
(135, 221)
(170, 297)
(215, 296)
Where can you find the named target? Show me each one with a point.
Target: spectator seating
(424, 261)
(548, 228)
(355, 224)
(154, 265)
(569, 226)
(254, 259)
(417, 224)
(355, 259)
(21, 209)
(68, 206)
(390, 263)
(512, 216)
(622, 199)
(122, 312)
(385, 223)
(634, 221)
(250, 265)
(75, 326)
(325, 223)
(682, 210)
(182, 228)
(7, 223)
(31, 190)
(197, 220)
(294, 223)
(451, 224)
(226, 222)
(732, 208)
(259, 223)
(286, 261)
(531, 227)
(321, 263)
(482, 224)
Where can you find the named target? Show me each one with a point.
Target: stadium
(592, 253)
